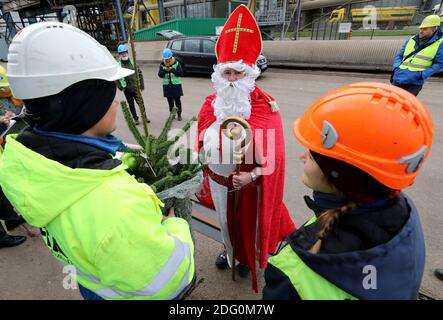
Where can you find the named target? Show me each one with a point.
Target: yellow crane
(384, 14)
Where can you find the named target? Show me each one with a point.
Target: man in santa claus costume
(253, 224)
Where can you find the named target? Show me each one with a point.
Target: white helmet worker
(47, 57)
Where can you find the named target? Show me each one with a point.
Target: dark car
(197, 53)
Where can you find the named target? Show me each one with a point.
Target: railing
(272, 17)
(323, 29)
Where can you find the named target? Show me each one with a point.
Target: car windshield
(172, 33)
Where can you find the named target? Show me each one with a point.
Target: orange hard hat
(379, 128)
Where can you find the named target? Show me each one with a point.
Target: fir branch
(168, 124)
(185, 129)
(138, 96)
(131, 123)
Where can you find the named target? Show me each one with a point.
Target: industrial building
(104, 19)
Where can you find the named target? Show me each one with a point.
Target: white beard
(232, 98)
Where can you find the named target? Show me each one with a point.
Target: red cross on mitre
(240, 38)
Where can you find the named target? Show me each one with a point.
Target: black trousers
(2, 232)
(178, 104)
(7, 212)
(412, 88)
(130, 97)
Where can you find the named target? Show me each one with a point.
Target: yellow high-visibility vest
(422, 59)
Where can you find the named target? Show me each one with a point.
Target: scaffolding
(9, 6)
(273, 16)
(103, 20)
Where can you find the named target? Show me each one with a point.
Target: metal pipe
(325, 27)
(358, 55)
(21, 19)
(318, 28)
(298, 18)
(309, 5)
(170, 4)
(284, 20)
(184, 8)
(161, 10)
(121, 21)
(312, 32)
(10, 25)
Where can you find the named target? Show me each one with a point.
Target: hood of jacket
(40, 188)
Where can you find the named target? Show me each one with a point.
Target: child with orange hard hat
(365, 143)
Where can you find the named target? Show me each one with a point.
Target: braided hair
(354, 183)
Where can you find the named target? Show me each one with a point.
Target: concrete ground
(28, 271)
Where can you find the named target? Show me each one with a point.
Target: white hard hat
(47, 57)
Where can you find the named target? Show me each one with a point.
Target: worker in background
(129, 84)
(420, 57)
(9, 105)
(365, 239)
(170, 71)
(9, 108)
(5, 92)
(60, 173)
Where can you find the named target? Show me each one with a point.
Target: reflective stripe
(167, 272)
(175, 80)
(307, 283)
(104, 292)
(184, 283)
(107, 293)
(419, 56)
(422, 59)
(181, 250)
(414, 65)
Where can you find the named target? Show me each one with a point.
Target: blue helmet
(167, 53)
(122, 48)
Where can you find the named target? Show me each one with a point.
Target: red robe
(274, 220)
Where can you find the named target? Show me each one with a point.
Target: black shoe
(11, 241)
(222, 261)
(179, 118)
(243, 270)
(12, 224)
(439, 274)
